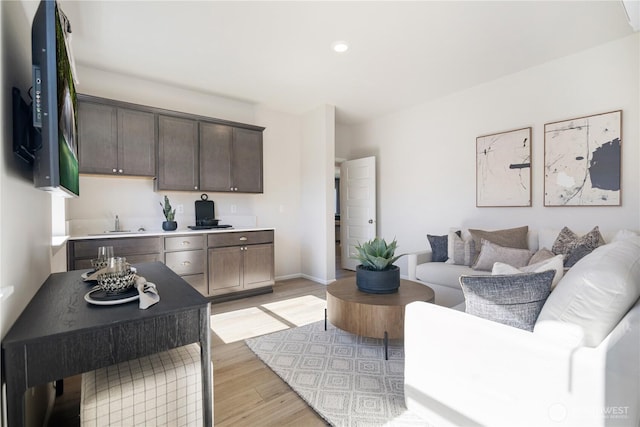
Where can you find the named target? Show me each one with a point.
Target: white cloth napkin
(148, 293)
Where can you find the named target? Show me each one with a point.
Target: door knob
(370, 221)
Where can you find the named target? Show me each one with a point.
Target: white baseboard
(318, 280)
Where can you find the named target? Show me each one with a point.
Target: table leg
(15, 398)
(325, 319)
(386, 345)
(205, 362)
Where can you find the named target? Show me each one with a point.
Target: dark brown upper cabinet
(177, 154)
(115, 140)
(185, 152)
(230, 159)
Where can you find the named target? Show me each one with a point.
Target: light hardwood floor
(246, 391)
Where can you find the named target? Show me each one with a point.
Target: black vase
(169, 225)
(378, 282)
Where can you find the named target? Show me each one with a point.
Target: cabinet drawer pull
(186, 262)
(185, 243)
(243, 239)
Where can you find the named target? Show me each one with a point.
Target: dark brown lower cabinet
(222, 265)
(241, 262)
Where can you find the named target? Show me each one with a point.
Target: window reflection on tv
(67, 115)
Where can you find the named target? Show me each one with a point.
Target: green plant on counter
(376, 254)
(166, 209)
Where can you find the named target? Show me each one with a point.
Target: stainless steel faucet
(117, 225)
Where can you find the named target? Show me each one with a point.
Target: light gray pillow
(491, 253)
(514, 300)
(542, 255)
(459, 249)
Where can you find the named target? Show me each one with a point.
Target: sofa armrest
(488, 372)
(415, 258)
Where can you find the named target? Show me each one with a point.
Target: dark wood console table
(59, 334)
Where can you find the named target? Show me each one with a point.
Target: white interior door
(357, 206)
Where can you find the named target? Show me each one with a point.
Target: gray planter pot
(169, 225)
(378, 282)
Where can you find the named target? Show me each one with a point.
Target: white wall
(426, 176)
(25, 213)
(317, 233)
(110, 85)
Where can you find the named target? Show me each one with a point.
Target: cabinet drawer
(183, 243)
(185, 262)
(240, 238)
(81, 264)
(121, 246)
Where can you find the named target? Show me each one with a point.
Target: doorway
(357, 195)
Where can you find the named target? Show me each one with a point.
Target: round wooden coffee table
(372, 315)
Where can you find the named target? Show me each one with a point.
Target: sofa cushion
(574, 247)
(444, 274)
(514, 300)
(439, 248)
(555, 263)
(598, 290)
(491, 253)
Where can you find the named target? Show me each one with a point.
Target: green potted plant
(376, 273)
(170, 214)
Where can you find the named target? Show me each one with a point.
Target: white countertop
(114, 235)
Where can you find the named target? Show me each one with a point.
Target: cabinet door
(177, 154)
(215, 157)
(225, 270)
(98, 138)
(246, 164)
(258, 266)
(136, 143)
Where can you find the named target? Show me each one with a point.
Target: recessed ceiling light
(340, 46)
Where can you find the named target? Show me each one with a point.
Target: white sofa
(463, 370)
(443, 278)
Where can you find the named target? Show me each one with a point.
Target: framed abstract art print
(503, 169)
(582, 161)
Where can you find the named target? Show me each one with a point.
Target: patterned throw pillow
(461, 249)
(439, 247)
(574, 247)
(515, 300)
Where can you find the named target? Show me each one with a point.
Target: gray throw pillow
(514, 299)
(491, 253)
(439, 247)
(574, 247)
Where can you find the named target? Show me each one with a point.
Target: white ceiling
(279, 54)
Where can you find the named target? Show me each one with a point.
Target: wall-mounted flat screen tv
(55, 121)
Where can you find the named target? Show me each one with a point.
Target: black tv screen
(55, 103)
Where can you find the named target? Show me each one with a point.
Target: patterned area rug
(343, 377)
